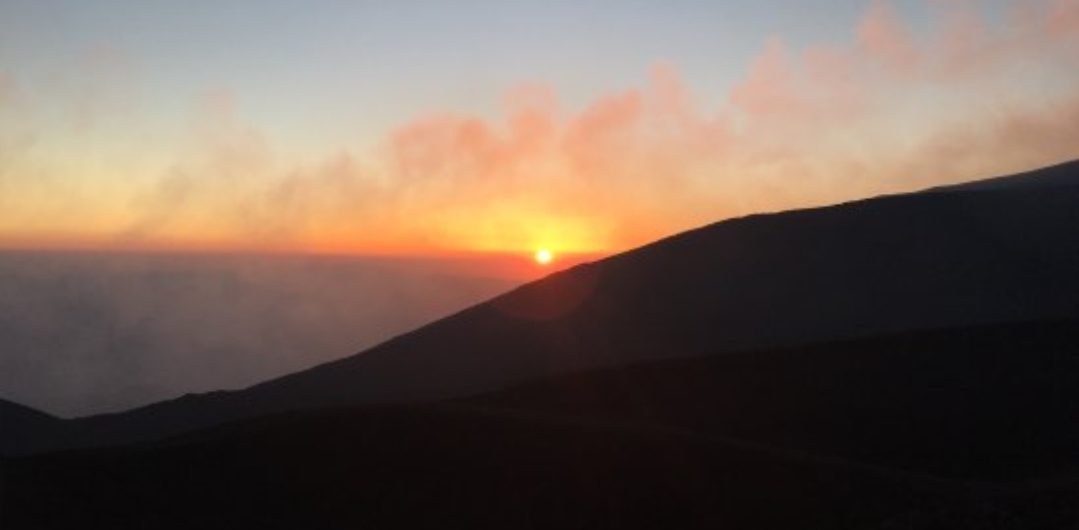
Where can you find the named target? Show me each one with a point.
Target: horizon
(95, 331)
(539, 133)
(539, 264)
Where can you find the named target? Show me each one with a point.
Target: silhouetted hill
(961, 428)
(902, 362)
(22, 426)
(880, 266)
(428, 467)
(1058, 176)
(990, 403)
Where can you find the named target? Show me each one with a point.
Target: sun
(543, 256)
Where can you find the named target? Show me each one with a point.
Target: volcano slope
(909, 361)
(1000, 250)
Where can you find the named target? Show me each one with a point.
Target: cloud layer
(87, 333)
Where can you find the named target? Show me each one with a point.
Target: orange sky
(881, 109)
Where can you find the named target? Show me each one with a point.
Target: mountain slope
(22, 426)
(1052, 177)
(432, 467)
(984, 403)
(971, 427)
(884, 265)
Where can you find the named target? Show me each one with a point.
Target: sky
(498, 126)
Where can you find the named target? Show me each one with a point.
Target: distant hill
(972, 256)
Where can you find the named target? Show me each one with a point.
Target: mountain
(1053, 177)
(994, 403)
(432, 467)
(909, 361)
(22, 426)
(960, 428)
(954, 257)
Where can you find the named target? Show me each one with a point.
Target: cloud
(769, 89)
(887, 102)
(100, 332)
(1063, 18)
(213, 177)
(891, 109)
(884, 38)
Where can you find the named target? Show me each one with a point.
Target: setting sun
(543, 256)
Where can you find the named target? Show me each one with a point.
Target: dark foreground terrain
(962, 428)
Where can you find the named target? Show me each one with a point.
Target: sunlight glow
(543, 256)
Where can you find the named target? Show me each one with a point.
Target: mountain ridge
(942, 429)
(873, 266)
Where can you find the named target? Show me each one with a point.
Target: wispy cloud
(889, 109)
